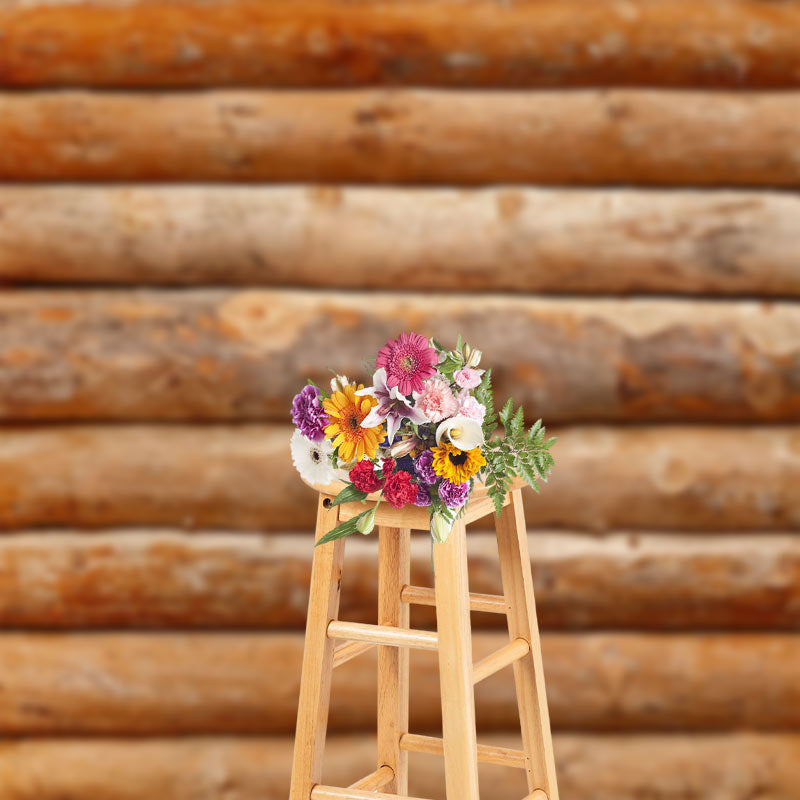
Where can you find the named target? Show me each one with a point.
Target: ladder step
(539, 794)
(513, 651)
(383, 634)
(415, 743)
(375, 780)
(422, 596)
(320, 792)
(344, 652)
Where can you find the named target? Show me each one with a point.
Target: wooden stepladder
(331, 642)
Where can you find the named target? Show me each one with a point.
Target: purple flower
(423, 466)
(308, 414)
(453, 495)
(423, 498)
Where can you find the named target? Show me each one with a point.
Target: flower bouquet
(422, 434)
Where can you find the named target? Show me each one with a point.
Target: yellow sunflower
(346, 412)
(457, 466)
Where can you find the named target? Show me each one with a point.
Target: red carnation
(399, 490)
(364, 478)
(387, 468)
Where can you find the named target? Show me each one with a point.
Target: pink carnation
(469, 407)
(437, 400)
(468, 378)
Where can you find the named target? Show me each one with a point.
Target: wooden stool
(330, 642)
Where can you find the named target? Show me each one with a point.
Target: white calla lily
(462, 432)
(440, 528)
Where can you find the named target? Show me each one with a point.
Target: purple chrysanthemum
(308, 414)
(423, 498)
(423, 466)
(453, 495)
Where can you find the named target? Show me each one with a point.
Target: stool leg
(455, 666)
(315, 680)
(512, 543)
(394, 564)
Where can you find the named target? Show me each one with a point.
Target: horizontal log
(548, 43)
(738, 766)
(241, 477)
(528, 240)
(143, 683)
(162, 579)
(580, 137)
(242, 355)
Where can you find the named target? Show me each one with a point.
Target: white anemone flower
(463, 432)
(312, 459)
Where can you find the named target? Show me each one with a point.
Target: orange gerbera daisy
(346, 412)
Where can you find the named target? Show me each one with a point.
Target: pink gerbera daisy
(408, 361)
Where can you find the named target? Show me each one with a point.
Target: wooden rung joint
(513, 651)
(422, 596)
(349, 650)
(489, 754)
(383, 634)
(375, 780)
(539, 794)
(320, 792)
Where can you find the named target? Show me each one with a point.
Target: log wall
(202, 202)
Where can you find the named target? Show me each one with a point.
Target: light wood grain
(349, 650)
(738, 766)
(741, 43)
(494, 662)
(377, 779)
(423, 595)
(529, 677)
(207, 354)
(318, 654)
(394, 569)
(455, 665)
(336, 793)
(382, 635)
(421, 136)
(501, 239)
(490, 754)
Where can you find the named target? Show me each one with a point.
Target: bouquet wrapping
(422, 434)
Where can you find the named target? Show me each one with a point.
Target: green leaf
(344, 529)
(507, 411)
(533, 431)
(518, 422)
(348, 495)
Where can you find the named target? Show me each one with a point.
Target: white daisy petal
(312, 459)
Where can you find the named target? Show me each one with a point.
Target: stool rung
(538, 794)
(320, 792)
(344, 652)
(383, 634)
(375, 780)
(415, 743)
(513, 651)
(423, 596)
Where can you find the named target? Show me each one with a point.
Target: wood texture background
(205, 201)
